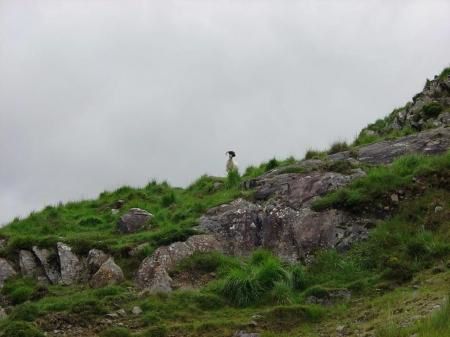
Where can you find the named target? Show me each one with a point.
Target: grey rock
(3, 314)
(95, 259)
(134, 220)
(153, 274)
(6, 271)
(108, 273)
(121, 312)
(292, 234)
(136, 310)
(70, 264)
(246, 334)
(394, 198)
(433, 141)
(30, 266)
(49, 261)
(296, 189)
(438, 209)
(3, 243)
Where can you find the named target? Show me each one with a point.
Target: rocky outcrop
(95, 259)
(432, 141)
(292, 234)
(6, 271)
(297, 190)
(280, 217)
(30, 267)
(63, 266)
(153, 274)
(70, 265)
(134, 220)
(108, 273)
(429, 108)
(48, 259)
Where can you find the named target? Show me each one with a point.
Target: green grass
(256, 171)
(445, 73)
(116, 332)
(19, 329)
(339, 146)
(19, 290)
(315, 154)
(383, 180)
(91, 224)
(437, 325)
(432, 110)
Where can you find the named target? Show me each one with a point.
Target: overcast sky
(99, 94)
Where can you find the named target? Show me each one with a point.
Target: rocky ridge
(280, 217)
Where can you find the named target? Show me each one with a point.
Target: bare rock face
(6, 271)
(292, 234)
(30, 266)
(70, 264)
(433, 141)
(153, 274)
(95, 259)
(298, 190)
(134, 220)
(108, 273)
(3, 314)
(49, 261)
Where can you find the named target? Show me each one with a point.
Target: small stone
(114, 211)
(246, 334)
(3, 314)
(136, 310)
(438, 209)
(340, 328)
(121, 312)
(112, 315)
(394, 198)
(6, 271)
(134, 220)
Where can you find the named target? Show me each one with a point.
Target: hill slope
(315, 247)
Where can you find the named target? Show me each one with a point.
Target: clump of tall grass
(315, 154)
(247, 284)
(233, 179)
(338, 147)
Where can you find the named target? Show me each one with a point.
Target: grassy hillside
(394, 284)
(277, 296)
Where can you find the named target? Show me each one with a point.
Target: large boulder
(95, 259)
(49, 261)
(153, 274)
(70, 264)
(108, 273)
(6, 271)
(134, 220)
(30, 266)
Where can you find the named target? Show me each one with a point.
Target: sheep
(231, 163)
